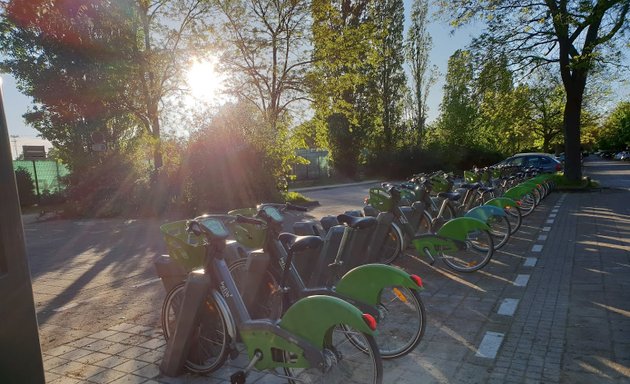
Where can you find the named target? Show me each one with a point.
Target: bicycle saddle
(356, 222)
(454, 196)
(297, 243)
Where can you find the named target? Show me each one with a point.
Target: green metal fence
(49, 173)
(318, 166)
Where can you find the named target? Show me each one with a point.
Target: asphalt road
(609, 173)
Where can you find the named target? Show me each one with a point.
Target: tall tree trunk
(572, 114)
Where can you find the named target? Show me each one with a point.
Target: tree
(389, 81)
(458, 108)
(615, 132)
(546, 98)
(344, 41)
(265, 45)
(575, 35)
(418, 47)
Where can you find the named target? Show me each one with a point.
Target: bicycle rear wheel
(401, 322)
(350, 356)
(392, 246)
(209, 341)
(476, 254)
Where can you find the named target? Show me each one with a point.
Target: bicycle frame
(297, 339)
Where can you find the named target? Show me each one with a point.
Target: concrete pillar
(20, 351)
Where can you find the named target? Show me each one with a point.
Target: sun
(205, 83)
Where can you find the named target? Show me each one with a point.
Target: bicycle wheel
(527, 204)
(425, 223)
(515, 217)
(268, 302)
(350, 357)
(477, 253)
(392, 246)
(209, 341)
(401, 321)
(499, 229)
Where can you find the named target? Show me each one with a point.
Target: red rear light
(558, 167)
(519, 203)
(370, 321)
(416, 279)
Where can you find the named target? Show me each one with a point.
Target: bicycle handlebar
(293, 207)
(248, 220)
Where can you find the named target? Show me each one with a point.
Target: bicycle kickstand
(240, 376)
(429, 255)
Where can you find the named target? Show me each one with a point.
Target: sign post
(34, 152)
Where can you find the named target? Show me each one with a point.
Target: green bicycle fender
(502, 202)
(365, 282)
(459, 227)
(311, 317)
(484, 212)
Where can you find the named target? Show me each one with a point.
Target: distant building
(18, 141)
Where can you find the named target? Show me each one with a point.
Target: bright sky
(444, 44)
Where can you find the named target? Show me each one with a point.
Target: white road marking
(490, 345)
(546, 229)
(521, 280)
(508, 307)
(552, 215)
(542, 237)
(530, 261)
(537, 248)
(550, 221)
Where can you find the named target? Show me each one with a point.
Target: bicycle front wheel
(350, 356)
(515, 217)
(499, 229)
(401, 322)
(209, 342)
(474, 256)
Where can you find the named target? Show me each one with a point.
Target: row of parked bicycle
(323, 304)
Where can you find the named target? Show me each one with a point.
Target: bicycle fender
(459, 227)
(365, 283)
(502, 202)
(311, 317)
(484, 212)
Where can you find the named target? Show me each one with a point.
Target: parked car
(623, 155)
(548, 163)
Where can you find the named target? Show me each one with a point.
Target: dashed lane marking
(537, 248)
(542, 237)
(530, 261)
(521, 280)
(508, 307)
(490, 345)
(546, 229)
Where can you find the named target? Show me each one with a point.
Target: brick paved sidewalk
(567, 281)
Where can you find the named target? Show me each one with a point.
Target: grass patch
(295, 197)
(586, 183)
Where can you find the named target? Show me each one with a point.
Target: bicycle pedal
(238, 378)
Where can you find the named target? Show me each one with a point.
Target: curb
(323, 187)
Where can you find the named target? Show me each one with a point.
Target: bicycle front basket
(250, 235)
(184, 247)
(380, 199)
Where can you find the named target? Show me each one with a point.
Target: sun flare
(205, 83)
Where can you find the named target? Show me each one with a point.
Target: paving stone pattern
(571, 322)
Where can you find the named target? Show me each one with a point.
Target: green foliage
(458, 108)
(295, 197)
(403, 163)
(615, 132)
(25, 187)
(226, 164)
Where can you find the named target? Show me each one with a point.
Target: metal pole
(36, 182)
(20, 352)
